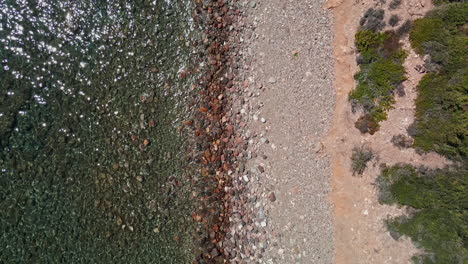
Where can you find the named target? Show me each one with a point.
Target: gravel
(280, 211)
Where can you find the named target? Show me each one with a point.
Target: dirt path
(360, 233)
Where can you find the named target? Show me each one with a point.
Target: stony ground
(286, 108)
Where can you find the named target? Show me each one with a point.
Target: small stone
(254, 170)
(139, 178)
(241, 167)
(119, 220)
(156, 230)
(318, 148)
(253, 4)
(146, 142)
(272, 197)
(214, 252)
(263, 120)
(246, 178)
(272, 80)
(255, 117)
(263, 224)
(261, 169)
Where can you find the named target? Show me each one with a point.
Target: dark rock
(272, 197)
(214, 252)
(261, 169)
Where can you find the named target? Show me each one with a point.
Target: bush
(393, 21)
(400, 90)
(453, 15)
(438, 198)
(360, 157)
(441, 2)
(424, 30)
(441, 120)
(376, 82)
(441, 123)
(381, 73)
(373, 20)
(439, 223)
(401, 141)
(367, 39)
(405, 28)
(367, 124)
(438, 52)
(394, 4)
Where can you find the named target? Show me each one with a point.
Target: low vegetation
(394, 4)
(373, 20)
(360, 157)
(401, 141)
(439, 222)
(381, 74)
(437, 199)
(394, 20)
(404, 29)
(442, 105)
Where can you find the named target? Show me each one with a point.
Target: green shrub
(441, 2)
(381, 74)
(441, 118)
(438, 198)
(453, 15)
(367, 39)
(424, 30)
(393, 21)
(405, 28)
(376, 82)
(394, 4)
(373, 20)
(401, 141)
(440, 222)
(441, 123)
(360, 157)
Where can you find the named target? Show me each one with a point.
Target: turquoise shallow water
(83, 85)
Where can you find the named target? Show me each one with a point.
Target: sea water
(92, 166)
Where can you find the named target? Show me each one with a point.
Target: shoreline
(284, 179)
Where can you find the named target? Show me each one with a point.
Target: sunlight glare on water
(90, 102)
